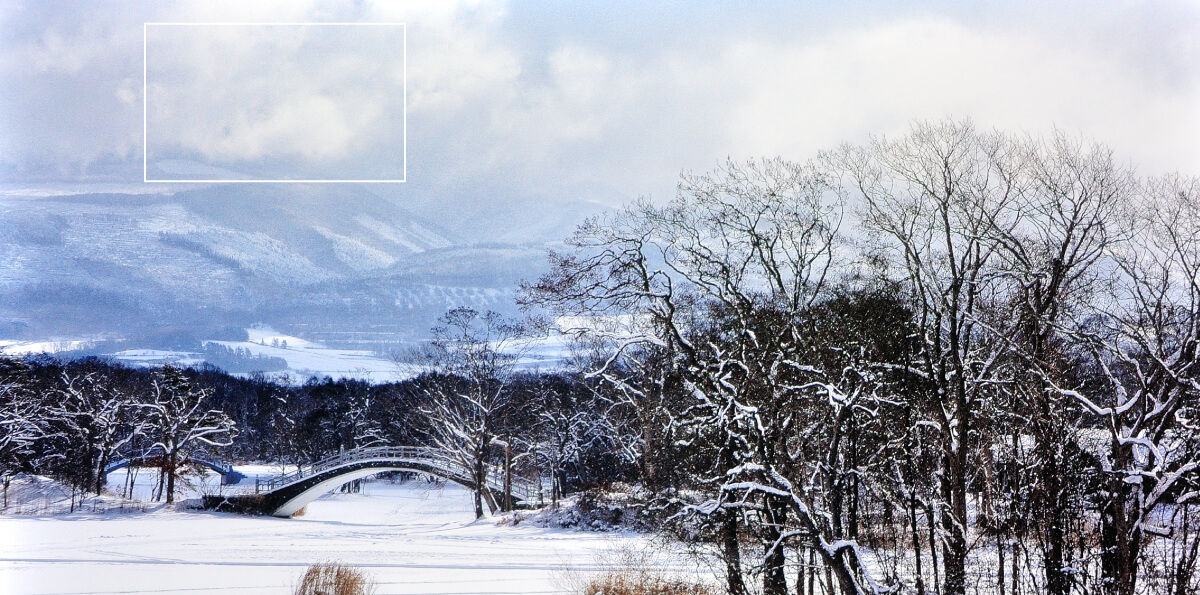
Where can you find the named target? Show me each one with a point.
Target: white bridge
(284, 495)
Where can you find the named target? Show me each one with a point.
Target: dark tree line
(68, 420)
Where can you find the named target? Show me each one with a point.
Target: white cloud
(806, 96)
(494, 101)
(314, 96)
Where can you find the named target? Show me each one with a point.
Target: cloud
(324, 100)
(613, 101)
(877, 79)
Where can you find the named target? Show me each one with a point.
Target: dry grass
(634, 570)
(629, 582)
(332, 578)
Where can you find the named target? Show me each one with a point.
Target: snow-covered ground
(18, 348)
(304, 358)
(308, 358)
(411, 537)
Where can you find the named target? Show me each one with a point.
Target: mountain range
(344, 264)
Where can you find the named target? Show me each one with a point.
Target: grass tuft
(629, 582)
(332, 578)
(635, 571)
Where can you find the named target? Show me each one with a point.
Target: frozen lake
(412, 538)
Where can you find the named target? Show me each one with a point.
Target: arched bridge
(199, 457)
(284, 495)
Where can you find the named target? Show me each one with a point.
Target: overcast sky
(606, 101)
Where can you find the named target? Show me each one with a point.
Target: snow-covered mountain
(338, 262)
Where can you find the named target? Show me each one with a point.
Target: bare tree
(473, 356)
(22, 422)
(1051, 239)
(1146, 347)
(934, 199)
(363, 427)
(100, 417)
(722, 279)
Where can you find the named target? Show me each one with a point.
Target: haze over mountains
(344, 264)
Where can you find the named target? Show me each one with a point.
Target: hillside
(334, 260)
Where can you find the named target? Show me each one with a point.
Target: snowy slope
(344, 265)
(128, 264)
(220, 238)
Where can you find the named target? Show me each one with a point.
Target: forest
(950, 361)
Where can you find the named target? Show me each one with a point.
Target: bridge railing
(434, 457)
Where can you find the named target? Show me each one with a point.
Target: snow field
(412, 537)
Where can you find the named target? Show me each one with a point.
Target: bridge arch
(285, 495)
(289, 501)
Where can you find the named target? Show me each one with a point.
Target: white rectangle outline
(403, 105)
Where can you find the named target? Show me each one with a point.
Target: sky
(571, 101)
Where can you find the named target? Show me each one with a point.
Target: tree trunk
(916, 545)
(646, 463)
(774, 579)
(170, 463)
(480, 485)
(812, 572)
(1048, 494)
(732, 554)
(1015, 582)
(954, 551)
(1056, 578)
(999, 565)
(800, 571)
(98, 474)
(840, 565)
(489, 498)
(1118, 554)
(933, 556)
(508, 499)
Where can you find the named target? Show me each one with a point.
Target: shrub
(332, 578)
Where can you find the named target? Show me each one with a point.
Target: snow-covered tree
(933, 199)
(97, 417)
(1145, 344)
(363, 424)
(563, 425)
(723, 279)
(23, 422)
(1051, 239)
(179, 421)
(473, 355)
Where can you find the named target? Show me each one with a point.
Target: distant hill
(339, 262)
